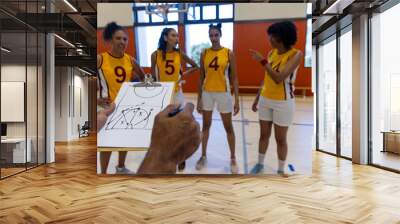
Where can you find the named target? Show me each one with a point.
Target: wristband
(264, 62)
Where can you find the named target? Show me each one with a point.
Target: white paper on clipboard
(131, 123)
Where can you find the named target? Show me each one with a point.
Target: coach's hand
(173, 140)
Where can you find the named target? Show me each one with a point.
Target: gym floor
(247, 131)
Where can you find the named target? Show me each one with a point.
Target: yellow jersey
(283, 90)
(169, 70)
(113, 72)
(216, 66)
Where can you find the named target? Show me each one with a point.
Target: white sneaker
(123, 170)
(201, 163)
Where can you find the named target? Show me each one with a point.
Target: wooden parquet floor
(70, 191)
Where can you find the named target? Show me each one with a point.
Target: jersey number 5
(214, 63)
(120, 73)
(170, 66)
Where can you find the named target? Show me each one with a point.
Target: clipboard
(118, 128)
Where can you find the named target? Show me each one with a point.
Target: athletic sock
(281, 165)
(261, 158)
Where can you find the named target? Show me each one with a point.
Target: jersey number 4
(214, 63)
(120, 73)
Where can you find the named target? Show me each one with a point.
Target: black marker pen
(174, 112)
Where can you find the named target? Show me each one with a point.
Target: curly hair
(284, 32)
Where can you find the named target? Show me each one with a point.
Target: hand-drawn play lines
(130, 117)
(137, 108)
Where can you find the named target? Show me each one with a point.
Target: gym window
(197, 39)
(207, 13)
(197, 20)
(148, 28)
(147, 42)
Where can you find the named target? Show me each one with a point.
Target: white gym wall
(107, 13)
(270, 11)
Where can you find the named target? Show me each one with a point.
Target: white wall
(13, 101)
(16, 73)
(13, 72)
(120, 13)
(33, 127)
(50, 94)
(80, 94)
(69, 85)
(61, 103)
(269, 11)
(360, 90)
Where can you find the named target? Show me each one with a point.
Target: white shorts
(179, 98)
(222, 99)
(280, 112)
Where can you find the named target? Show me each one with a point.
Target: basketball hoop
(162, 9)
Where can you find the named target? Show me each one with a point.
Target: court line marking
(244, 143)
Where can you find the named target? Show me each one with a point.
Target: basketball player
(275, 100)
(217, 71)
(167, 62)
(115, 67)
(166, 65)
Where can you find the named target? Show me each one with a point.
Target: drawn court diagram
(131, 122)
(137, 107)
(130, 117)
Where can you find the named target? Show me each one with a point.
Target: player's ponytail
(162, 43)
(110, 29)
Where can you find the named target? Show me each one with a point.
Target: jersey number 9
(120, 73)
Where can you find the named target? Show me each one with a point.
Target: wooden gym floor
(70, 191)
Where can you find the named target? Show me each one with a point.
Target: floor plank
(70, 191)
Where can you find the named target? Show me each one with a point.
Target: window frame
(182, 20)
(183, 17)
(333, 37)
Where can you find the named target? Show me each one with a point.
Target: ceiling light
(84, 71)
(338, 6)
(5, 50)
(70, 5)
(65, 41)
(331, 7)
